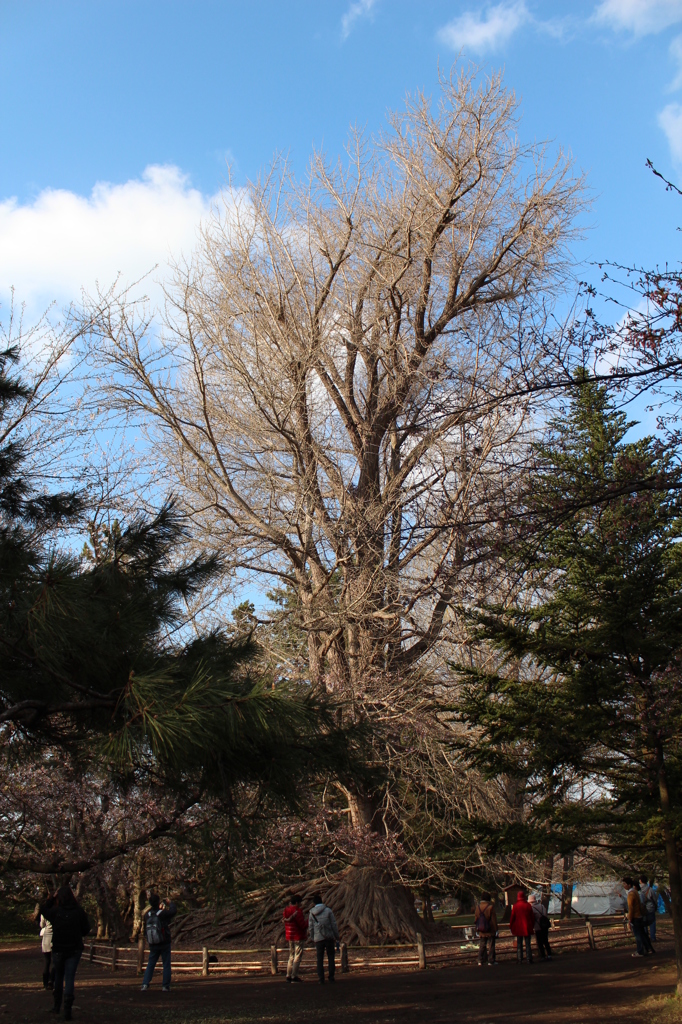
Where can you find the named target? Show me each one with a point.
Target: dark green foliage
(584, 705)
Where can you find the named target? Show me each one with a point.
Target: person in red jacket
(296, 930)
(522, 925)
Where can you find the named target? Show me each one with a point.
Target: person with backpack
(69, 924)
(522, 925)
(649, 900)
(296, 931)
(485, 920)
(636, 919)
(156, 925)
(324, 932)
(541, 927)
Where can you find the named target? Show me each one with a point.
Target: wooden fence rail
(594, 934)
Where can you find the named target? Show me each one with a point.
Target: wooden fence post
(204, 961)
(273, 959)
(344, 958)
(113, 958)
(140, 952)
(590, 933)
(421, 953)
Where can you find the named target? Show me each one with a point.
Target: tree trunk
(427, 912)
(362, 809)
(547, 883)
(566, 886)
(102, 930)
(139, 896)
(673, 862)
(109, 919)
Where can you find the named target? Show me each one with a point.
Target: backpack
(650, 901)
(483, 922)
(155, 930)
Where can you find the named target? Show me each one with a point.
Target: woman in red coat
(522, 925)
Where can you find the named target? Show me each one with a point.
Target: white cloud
(642, 17)
(61, 242)
(359, 9)
(670, 120)
(477, 32)
(676, 54)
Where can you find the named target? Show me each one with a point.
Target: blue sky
(118, 117)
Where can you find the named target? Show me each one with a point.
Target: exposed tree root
(370, 908)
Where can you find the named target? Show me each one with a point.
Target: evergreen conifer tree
(587, 690)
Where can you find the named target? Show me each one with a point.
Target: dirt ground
(575, 988)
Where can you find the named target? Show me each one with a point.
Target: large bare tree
(341, 387)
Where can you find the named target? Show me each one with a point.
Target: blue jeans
(154, 953)
(641, 936)
(65, 965)
(325, 946)
(520, 941)
(651, 924)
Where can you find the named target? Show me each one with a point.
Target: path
(575, 988)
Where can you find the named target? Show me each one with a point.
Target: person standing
(522, 925)
(69, 924)
(295, 930)
(324, 932)
(486, 926)
(636, 919)
(649, 900)
(541, 927)
(157, 932)
(46, 946)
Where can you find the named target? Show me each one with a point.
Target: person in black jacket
(69, 924)
(157, 933)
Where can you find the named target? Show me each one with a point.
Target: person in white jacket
(46, 941)
(323, 930)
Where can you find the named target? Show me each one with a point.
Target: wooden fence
(597, 933)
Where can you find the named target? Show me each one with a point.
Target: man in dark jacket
(69, 924)
(649, 900)
(542, 926)
(156, 926)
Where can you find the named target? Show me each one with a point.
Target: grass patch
(662, 1009)
(16, 925)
